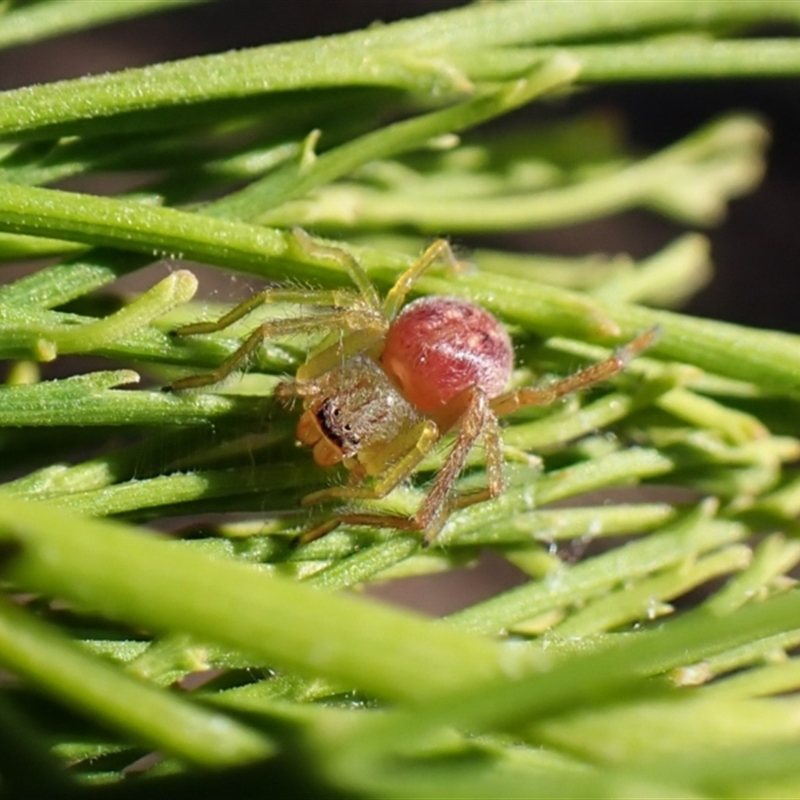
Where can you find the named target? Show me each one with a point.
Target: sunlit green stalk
(51, 18)
(86, 682)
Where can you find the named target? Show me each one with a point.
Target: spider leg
(365, 336)
(394, 472)
(475, 421)
(495, 472)
(509, 402)
(327, 252)
(414, 447)
(334, 319)
(334, 298)
(440, 250)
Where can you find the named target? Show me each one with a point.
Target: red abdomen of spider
(440, 346)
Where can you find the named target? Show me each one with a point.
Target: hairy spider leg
(369, 334)
(508, 402)
(476, 421)
(372, 329)
(495, 471)
(400, 457)
(327, 252)
(439, 250)
(440, 502)
(334, 298)
(342, 319)
(349, 312)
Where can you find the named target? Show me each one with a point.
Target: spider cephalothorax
(351, 410)
(397, 379)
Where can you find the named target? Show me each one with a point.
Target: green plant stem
(758, 651)
(705, 413)
(88, 683)
(667, 278)
(774, 558)
(412, 55)
(679, 541)
(362, 566)
(648, 598)
(685, 725)
(555, 21)
(15, 248)
(57, 284)
(570, 424)
(280, 485)
(557, 525)
(763, 357)
(784, 502)
(297, 179)
(768, 359)
(36, 334)
(52, 17)
(578, 683)
(681, 57)
(770, 679)
(526, 694)
(381, 650)
(691, 180)
(160, 232)
(91, 400)
(177, 288)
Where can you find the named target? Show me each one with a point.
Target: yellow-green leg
(317, 251)
(336, 298)
(477, 421)
(440, 250)
(403, 464)
(359, 341)
(425, 437)
(337, 319)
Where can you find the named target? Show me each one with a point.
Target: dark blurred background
(756, 251)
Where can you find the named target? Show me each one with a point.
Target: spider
(396, 378)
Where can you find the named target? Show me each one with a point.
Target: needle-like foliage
(582, 681)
